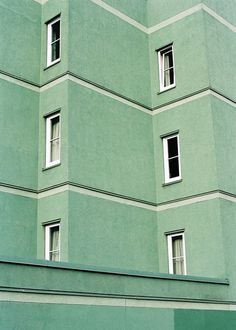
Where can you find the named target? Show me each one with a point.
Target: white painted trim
(223, 99)
(19, 82)
(106, 301)
(161, 64)
(49, 42)
(119, 14)
(166, 158)
(18, 192)
(48, 239)
(48, 147)
(170, 251)
(219, 18)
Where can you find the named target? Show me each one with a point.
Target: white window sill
(52, 64)
(166, 89)
(172, 182)
(47, 167)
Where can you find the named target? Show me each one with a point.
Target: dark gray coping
(115, 93)
(110, 271)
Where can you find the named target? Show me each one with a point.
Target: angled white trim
(175, 18)
(106, 301)
(18, 192)
(181, 102)
(54, 83)
(19, 82)
(53, 191)
(219, 18)
(119, 14)
(107, 93)
(222, 98)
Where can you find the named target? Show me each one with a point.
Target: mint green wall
(110, 145)
(49, 10)
(189, 56)
(18, 226)
(197, 149)
(18, 135)
(20, 38)
(108, 51)
(52, 208)
(201, 223)
(221, 47)
(110, 234)
(51, 100)
(224, 134)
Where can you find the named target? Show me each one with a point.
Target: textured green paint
(18, 135)
(225, 150)
(189, 55)
(110, 145)
(221, 47)
(100, 230)
(108, 51)
(18, 46)
(18, 230)
(198, 161)
(204, 218)
(49, 209)
(52, 100)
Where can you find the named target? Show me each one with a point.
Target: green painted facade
(109, 191)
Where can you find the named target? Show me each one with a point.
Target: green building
(117, 171)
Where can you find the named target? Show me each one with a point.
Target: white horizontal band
(106, 301)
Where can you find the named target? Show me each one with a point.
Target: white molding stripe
(19, 82)
(219, 18)
(54, 83)
(181, 102)
(107, 93)
(119, 14)
(164, 23)
(222, 98)
(175, 18)
(106, 301)
(122, 200)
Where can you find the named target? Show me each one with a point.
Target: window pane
(174, 167)
(172, 147)
(55, 150)
(55, 124)
(178, 266)
(55, 31)
(167, 78)
(55, 50)
(177, 246)
(54, 243)
(168, 60)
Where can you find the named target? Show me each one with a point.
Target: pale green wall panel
(20, 38)
(107, 51)
(197, 149)
(18, 135)
(109, 234)
(18, 226)
(110, 145)
(201, 223)
(190, 57)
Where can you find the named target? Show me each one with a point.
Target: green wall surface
(18, 226)
(108, 51)
(20, 38)
(110, 145)
(110, 234)
(18, 135)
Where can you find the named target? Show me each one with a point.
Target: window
(166, 68)
(171, 158)
(176, 253)
(52, 242)
(53, 138)
(53, 41)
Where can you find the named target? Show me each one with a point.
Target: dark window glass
(56, 31)
(174, 167)
(172, 147)
(55, 50)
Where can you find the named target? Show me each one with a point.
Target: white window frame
(166, 158)
(48, 240)
(49, 119)
(49, 42)
(170, 251)
(161, 57)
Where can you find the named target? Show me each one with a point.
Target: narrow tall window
(166, 68)
(53, 41)
(52, 242)
(176, 253)
(53, 138)
(171, 158)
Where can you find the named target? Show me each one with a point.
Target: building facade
(117, 172)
